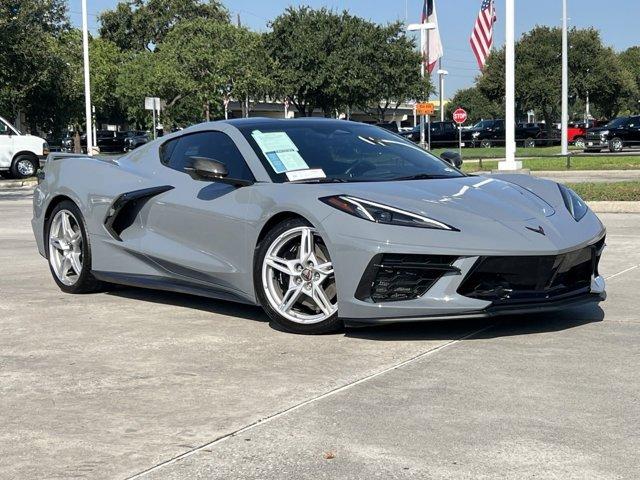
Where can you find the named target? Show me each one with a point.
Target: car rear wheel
(615, 145)
(69, 251)
(579, 142)
(294, 279)
(529, 143)
(485, 144)
(24, 166)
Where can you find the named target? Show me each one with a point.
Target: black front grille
(593, 135)
(507, 280)
(394, 277)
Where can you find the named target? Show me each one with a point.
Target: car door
(634, 132)
(450, 134)
(436, 135)
(197, 230)
(6, 145)
(498, 133)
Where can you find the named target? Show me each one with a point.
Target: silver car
(321, 222)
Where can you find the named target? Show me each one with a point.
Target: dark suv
(617, 134)
(491, 133)
(443, 134)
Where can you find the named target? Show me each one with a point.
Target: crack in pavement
(309, 401)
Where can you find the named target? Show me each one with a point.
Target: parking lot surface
(158, 385)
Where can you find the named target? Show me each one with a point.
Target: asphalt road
(167, 386)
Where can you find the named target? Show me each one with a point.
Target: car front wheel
(579, 142)
(615, 145)
(24, 166)
(294, 279)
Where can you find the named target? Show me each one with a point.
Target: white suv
(20, 154)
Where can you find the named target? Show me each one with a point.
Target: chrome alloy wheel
(65, 247)
(297, 277)
(25, 168)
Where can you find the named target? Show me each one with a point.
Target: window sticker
(280, 151)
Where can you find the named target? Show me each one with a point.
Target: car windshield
(617, 122)
(484, 124)
(344, 151)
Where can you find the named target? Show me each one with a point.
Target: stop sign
(459, 116)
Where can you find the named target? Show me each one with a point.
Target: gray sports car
(321, 222)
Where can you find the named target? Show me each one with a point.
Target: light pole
(565, 82)
(424, 29)
(510, 163)
(442, 73)
(87, 82)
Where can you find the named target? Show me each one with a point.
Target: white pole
(510, 95)
(87, 81)
(422, 71)
(442, 73)
(565, 81)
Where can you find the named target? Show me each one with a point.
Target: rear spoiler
(54, 156)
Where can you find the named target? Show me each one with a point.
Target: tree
(476, 104)
(630, 60)
(33, 67)
(593, 68)
(391, 68)
(142, 24)
(106, 63)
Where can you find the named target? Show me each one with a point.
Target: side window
(449, 127)
(214, 145)
(166, 149)
(499, 124)
(4, 130)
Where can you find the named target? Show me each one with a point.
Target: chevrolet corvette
(323, 223)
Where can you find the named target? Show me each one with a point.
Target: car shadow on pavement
(218, 307)
(529, 324)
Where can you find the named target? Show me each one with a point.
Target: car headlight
(576, 206)
(604, 133)
(378, 213)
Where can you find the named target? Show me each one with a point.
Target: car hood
(599, 129)
(455, 199)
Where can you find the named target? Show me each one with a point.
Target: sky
(617, 22)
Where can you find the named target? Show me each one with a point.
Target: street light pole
(510, 162)
(87, 82)
(442, 73)
(565, 82)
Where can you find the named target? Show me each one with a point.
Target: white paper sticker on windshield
(280, 151)
(305, 174)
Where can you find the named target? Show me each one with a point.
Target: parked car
(107, 141)
(391, 126)
(617, 134)
(491, 133)
(322, 222)
(443, 134)
(134, 139)
(20, 154)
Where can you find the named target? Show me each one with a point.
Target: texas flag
(434, 47)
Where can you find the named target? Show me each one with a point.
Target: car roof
(256, 122)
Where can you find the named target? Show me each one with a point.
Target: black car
(617, 134)
(491, 133)
(443, 134)
(134, 139)
(106, 141)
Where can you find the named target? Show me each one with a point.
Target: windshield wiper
(321, 180)
(421, 176)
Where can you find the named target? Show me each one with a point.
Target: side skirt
(169, 284)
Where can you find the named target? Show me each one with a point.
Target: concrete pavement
(158, 385)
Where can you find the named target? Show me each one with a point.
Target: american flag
(429, 15)
(482, 35)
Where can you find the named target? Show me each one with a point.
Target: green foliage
(593, 68)
(476, 104)
(142, 24)
(336, 61)
(630, 60)
(106, 65)
(34, 69)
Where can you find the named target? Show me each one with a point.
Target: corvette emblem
(539, 230)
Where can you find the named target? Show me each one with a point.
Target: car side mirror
(204, 168)
(452, 158)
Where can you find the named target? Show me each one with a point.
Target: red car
(577, 133)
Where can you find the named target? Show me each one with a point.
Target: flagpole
(565, 82)
(87, 82)
(510, 162)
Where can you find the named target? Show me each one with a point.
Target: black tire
(486, 144)
(616, 145)
(24, 166)
(329, 325)
(579, 142)
(86, 282)
(529, 143)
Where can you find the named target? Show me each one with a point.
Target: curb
(27, 182)
(614, 207)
